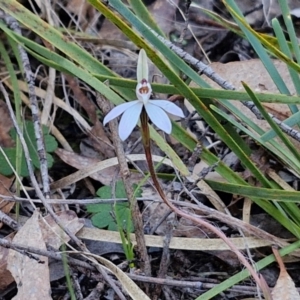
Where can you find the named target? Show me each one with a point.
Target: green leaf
(106, 214)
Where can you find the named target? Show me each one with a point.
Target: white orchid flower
(156, 109)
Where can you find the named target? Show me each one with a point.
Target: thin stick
(201, 208)
(124, 171)
(13, 24)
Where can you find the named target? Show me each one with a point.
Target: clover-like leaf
(105, 215)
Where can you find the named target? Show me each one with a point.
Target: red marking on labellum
(144, 90)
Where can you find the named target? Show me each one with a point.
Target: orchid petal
(129, 120)
(159, 117)
(118, 110)
(169, 107)
(142, 66)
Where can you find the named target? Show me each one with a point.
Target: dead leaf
(227, 257)
(100, 141)
(285, 287)
(103, 171)
(5, 206)
(80, 162)
(164, 14)
(5, 276)
(53, 234)
(254, 74)
(97, 135)
(31, 276)
(83, 10)
(5, 126)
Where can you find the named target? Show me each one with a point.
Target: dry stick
(207, 211)
(186, 23)
(96, 292)
(76, 287)
(198, 284)
(165, 258)
(41, 196)
(210, 73)
(50, 93)
(9, 221)
(13, 24)
(124, 170)
(26, 250)
(195, 219)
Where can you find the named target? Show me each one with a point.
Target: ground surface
(209, 42)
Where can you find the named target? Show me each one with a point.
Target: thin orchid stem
(147, 147)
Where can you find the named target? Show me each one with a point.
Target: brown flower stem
(147, 147)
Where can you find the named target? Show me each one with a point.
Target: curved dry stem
(193, 218)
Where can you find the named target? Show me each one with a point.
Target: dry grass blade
(100, 166)
(179, 243)
(133, 290)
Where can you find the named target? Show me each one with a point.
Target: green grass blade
(244, 274)
(142, 12)
(257, 192)
(272, 146)
(173, 77)
(291, 121)
(290, 28)
(274, 126)
(285, 49)
(258, 47)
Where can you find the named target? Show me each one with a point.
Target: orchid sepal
(142, 70)
(117, 111)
